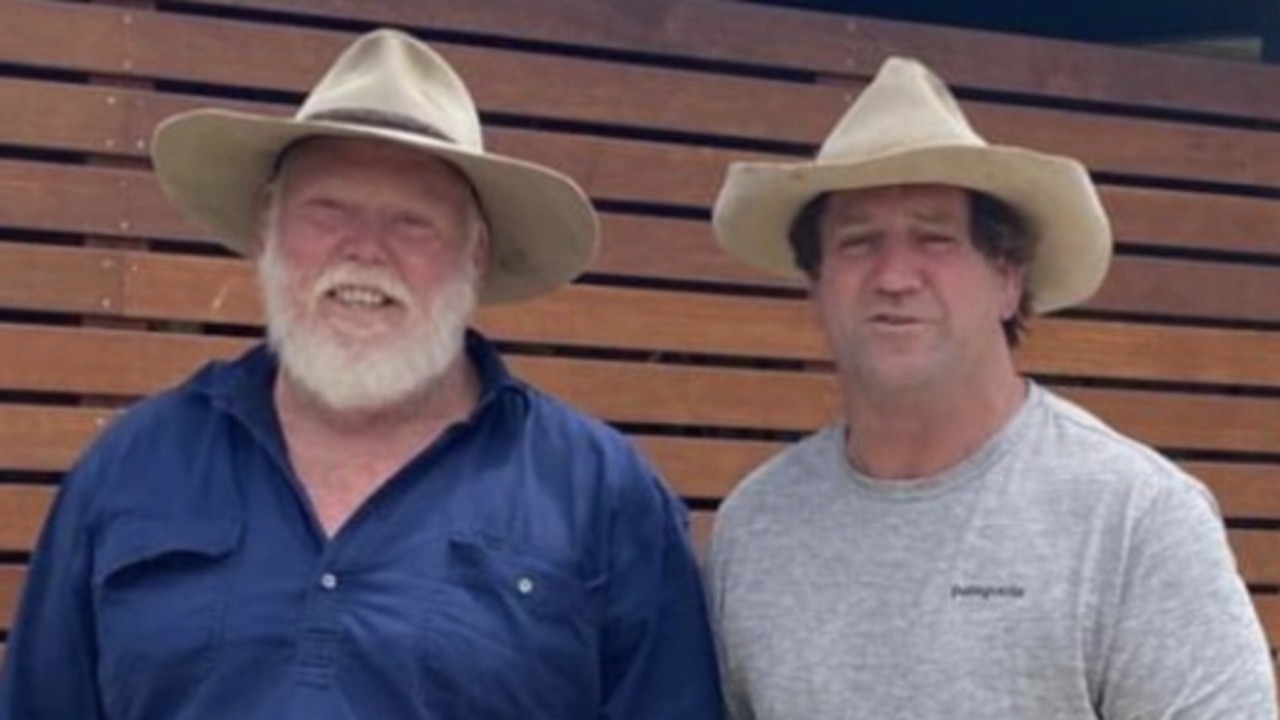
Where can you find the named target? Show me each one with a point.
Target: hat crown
(906, 107)
(389, 78)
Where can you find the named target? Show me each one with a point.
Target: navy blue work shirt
(527, 564)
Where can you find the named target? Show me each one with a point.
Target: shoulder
(147, 424)
(166, 416)
(152, 439)
(1077, 451)
(557, 425)
(556, 415)
(798, 463)
(782, 487)
(591, 452)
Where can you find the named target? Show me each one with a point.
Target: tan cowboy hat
(388, 86)
(906, 128)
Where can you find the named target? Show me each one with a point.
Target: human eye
(938, 240)
(413, 222)
(851, 244)
(324, 211)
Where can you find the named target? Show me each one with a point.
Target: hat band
(362, 116)
(380, 119)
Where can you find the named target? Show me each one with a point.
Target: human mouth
(361, 297)
(893, 320)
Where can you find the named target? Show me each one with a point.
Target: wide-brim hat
(907, 128)
(389, 86)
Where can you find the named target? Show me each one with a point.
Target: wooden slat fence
(107, 293)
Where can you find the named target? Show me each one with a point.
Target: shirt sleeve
(658, 659)
(1187, 642)
(49, 666)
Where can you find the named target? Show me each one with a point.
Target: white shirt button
(524, 585)
(328, 581)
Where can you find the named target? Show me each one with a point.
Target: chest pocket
(160, 591)
(520, 634)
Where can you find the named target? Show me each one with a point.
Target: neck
(342, 457)
(921, 432)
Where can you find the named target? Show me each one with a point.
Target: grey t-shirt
(1063, 571)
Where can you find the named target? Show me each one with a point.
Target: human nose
(365, 240)
(895, 271)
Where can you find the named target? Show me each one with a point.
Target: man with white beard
(368, 517)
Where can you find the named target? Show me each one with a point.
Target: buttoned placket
(321, 629)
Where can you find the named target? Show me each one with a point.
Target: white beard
(347, 374)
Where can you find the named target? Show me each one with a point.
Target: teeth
(360, 296)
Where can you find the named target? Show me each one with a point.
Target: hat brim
(215, 163)
(759, 202)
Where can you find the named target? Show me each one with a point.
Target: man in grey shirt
(963, 543)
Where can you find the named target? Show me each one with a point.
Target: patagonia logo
(987, 592)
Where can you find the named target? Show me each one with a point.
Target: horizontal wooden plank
(1177, 288)
(707, 468)
(1258, 555)
(759, 35)
(102, 362)
(130, 364)
(67, 117)
(127, 364)
(1268, 607)
(11, 579)
(79, 280)
(785, 329)
(659, 321)
(1163, 149)
(225, 291)
(716, 31)
(196, 289)
(672, 249)
(650, 172)
(23, 509)
(1032, 65)
(244, 54)
(1186, 421)
(1146, 217)
(160, 286)
(46, 438)
(1243, 490)
(93, 200)
(1158, 353)
(686, 395)
(130, 203)
(108, 120)
(164, 46)
(613, 169)
(190, 288)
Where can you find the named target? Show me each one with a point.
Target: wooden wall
(107, 293)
